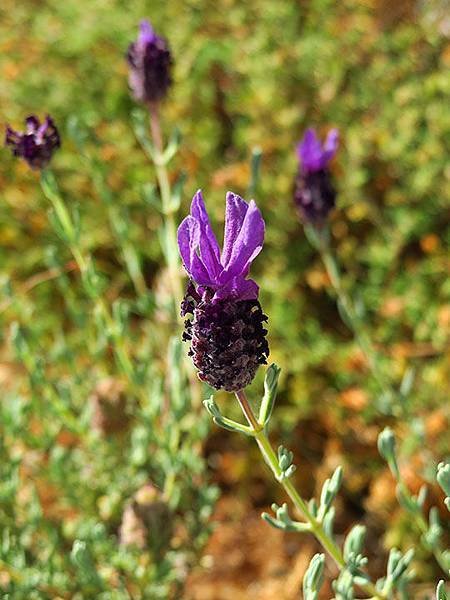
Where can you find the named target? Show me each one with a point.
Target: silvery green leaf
(354, 541)
(313, 578)
(172, 147)
(272, 521)
(394, 556)
(284, 457)
(211, 407)
(270, 393)
(343, 586)
(440, 591)
(431, 537)
(422, 496)
(387, 449)
(330, 489)
(443, 477)
(289, 471)
(328, 521)
(222, 421)
(407, 381)
(283, 520)
(406, 500)
(336, 480)
(401, 565)
(312, 505)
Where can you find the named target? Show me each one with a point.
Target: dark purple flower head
(314, 192)
(150, 65)
(37, 144)
(226, 334)
(224, 273)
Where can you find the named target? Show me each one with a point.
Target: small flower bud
(314, 193)
(150, 64)
(387, 448)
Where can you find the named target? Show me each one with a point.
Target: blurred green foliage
(246, 74)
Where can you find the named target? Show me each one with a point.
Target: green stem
(358, 328)
(271, 459)
(168, 212)
(170, 229)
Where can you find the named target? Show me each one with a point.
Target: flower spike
(150, 64)
(226, 332)
(37, 144)
(314, 194)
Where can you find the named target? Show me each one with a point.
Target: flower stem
(166, 200)
(353, 320)
(316, 526)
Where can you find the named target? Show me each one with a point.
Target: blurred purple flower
(314, 194)
(37, 144)
(222, 273)
(313, 156)
(227, 336)
(150, 63)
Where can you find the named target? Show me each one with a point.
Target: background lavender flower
(314, 192)
(150, 65)
(227, 336)
(37, 144)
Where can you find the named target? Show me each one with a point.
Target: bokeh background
(247, 74)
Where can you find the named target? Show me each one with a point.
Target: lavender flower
(226, 332)
(150, 64)
(37, 144)
(314, 192)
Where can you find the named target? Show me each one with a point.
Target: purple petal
(209, 248)
(240, 288)
(310, 151)
(188, 242)
(247, 245)
(146, 33)
(234, 217)
(32, 124)
(331, 145)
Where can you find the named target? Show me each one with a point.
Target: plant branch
(316, 527)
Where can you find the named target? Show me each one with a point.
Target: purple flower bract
(37, 144)
(222, 272)
(313, 156)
